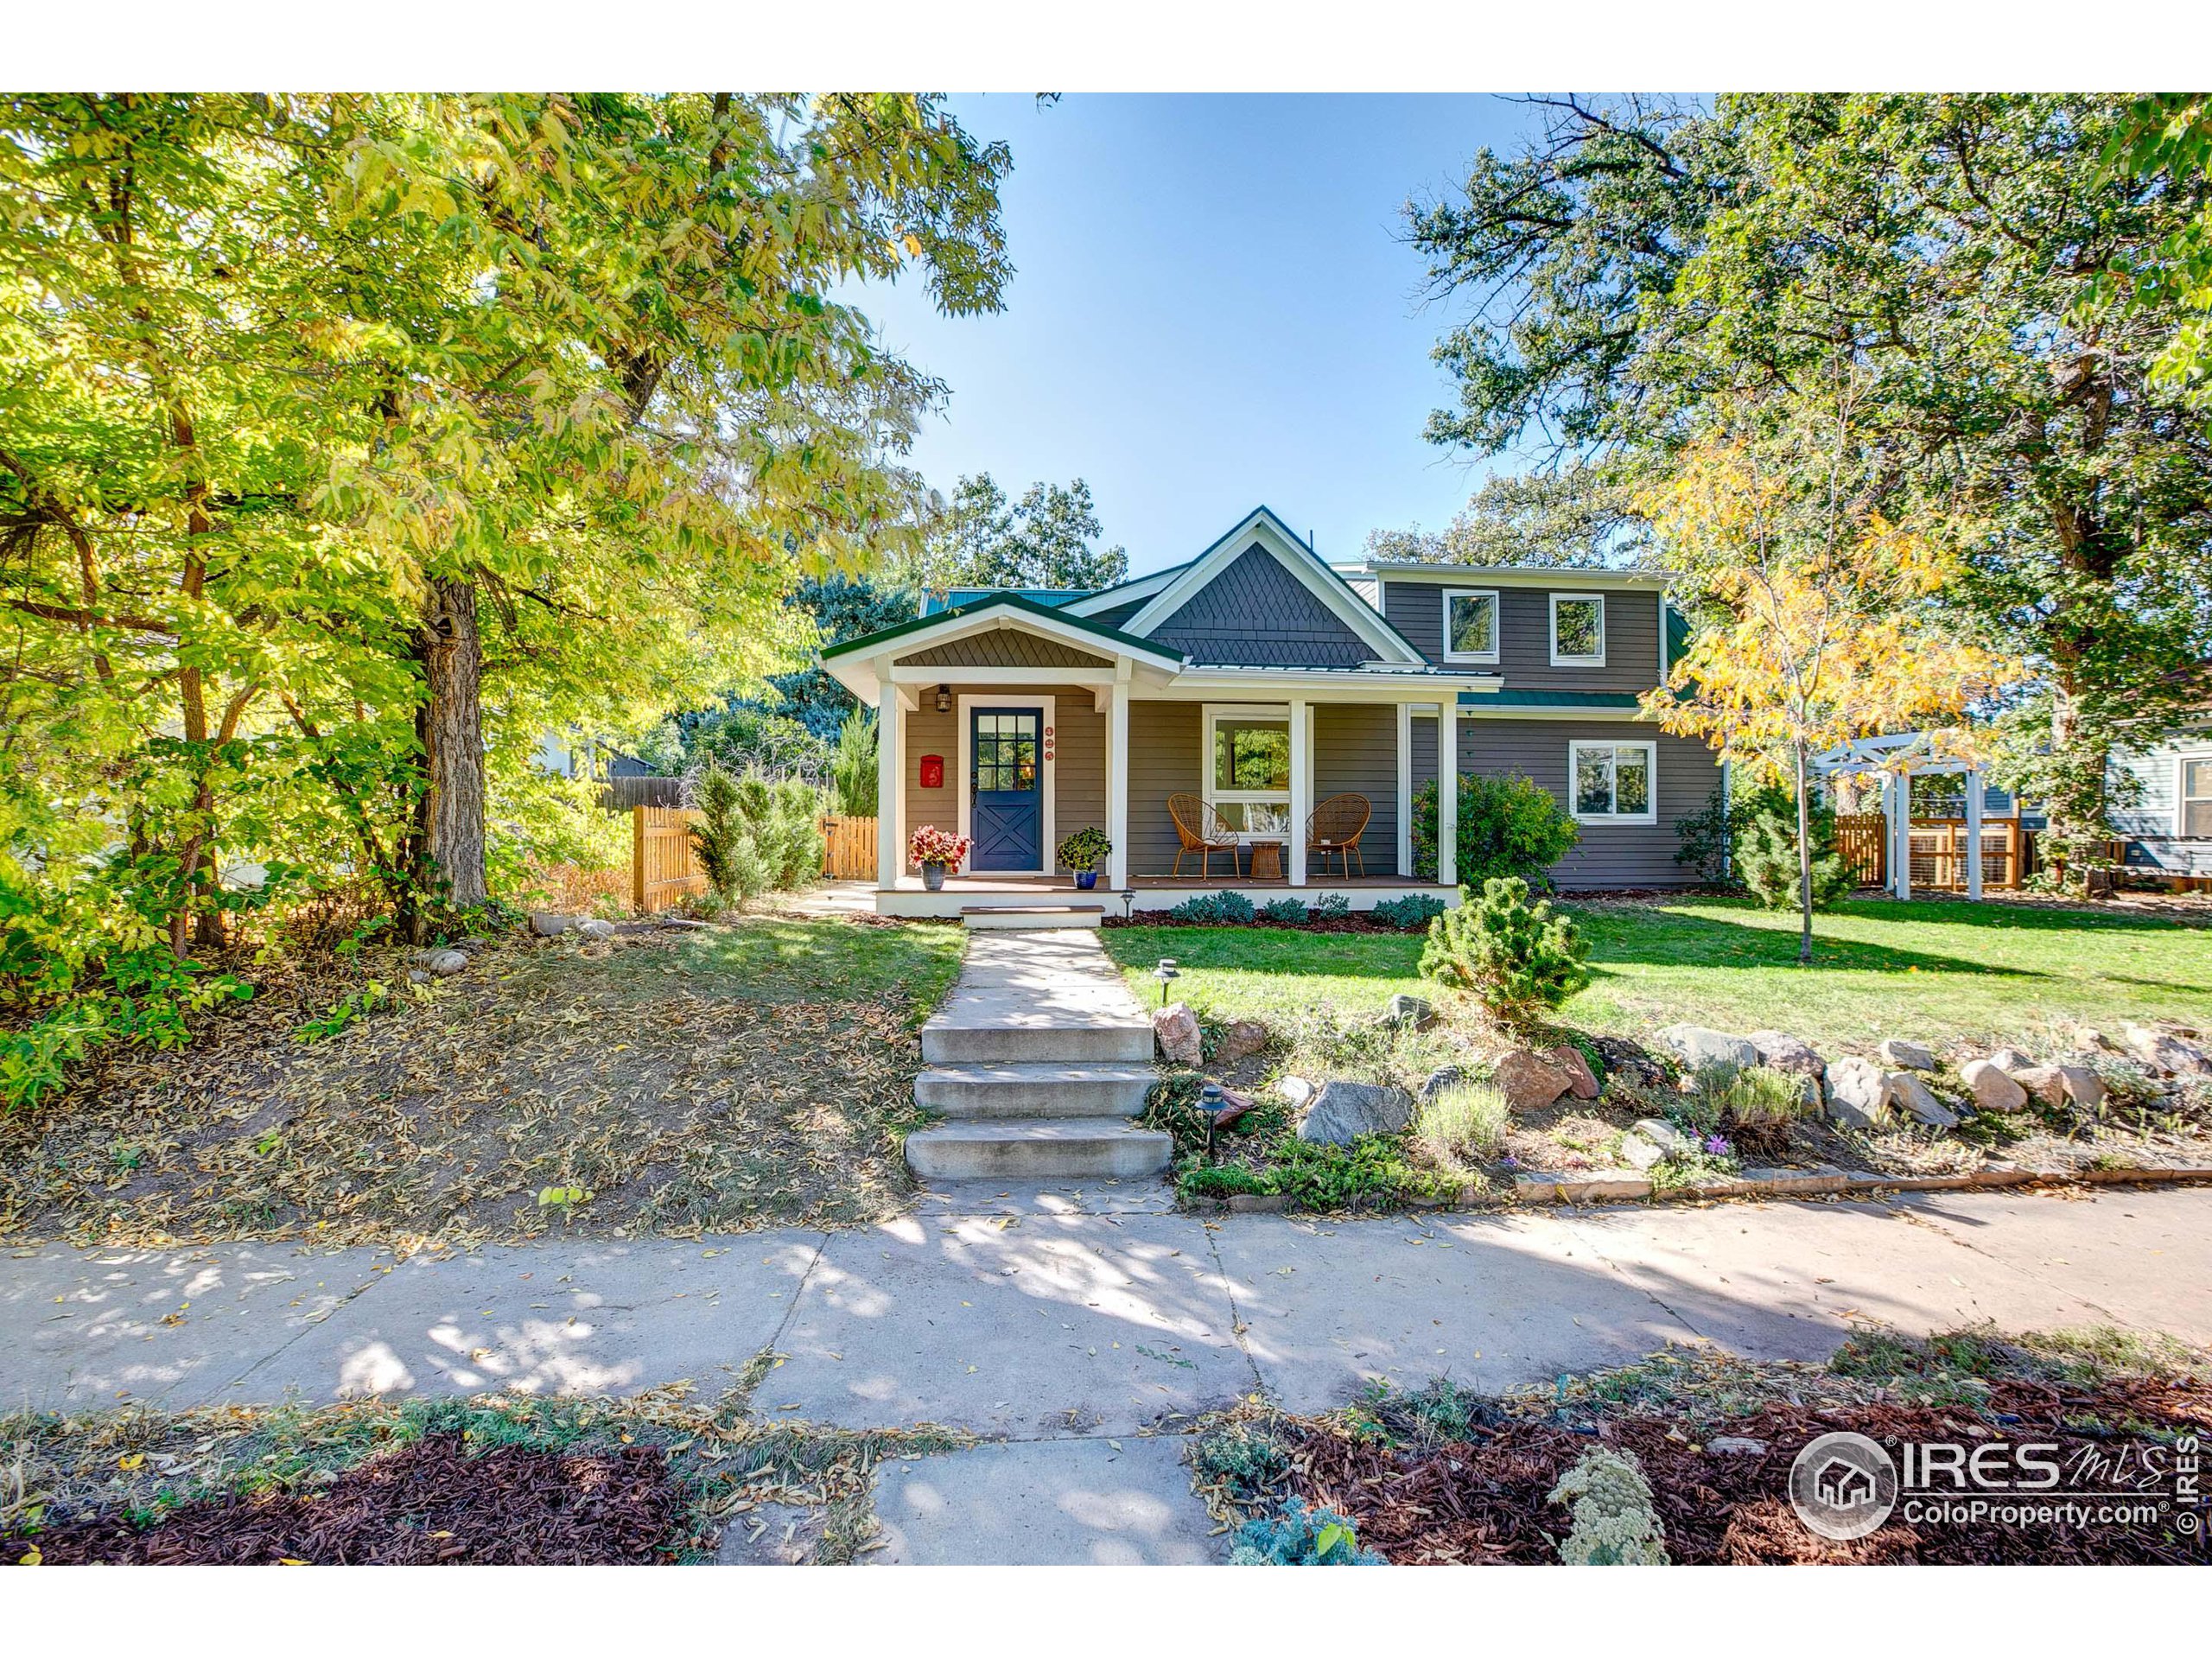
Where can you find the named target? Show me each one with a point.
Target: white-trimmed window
(1470, 625)
(2193, 799)
(1577, 630)
(1248, 763)
(1613, 783)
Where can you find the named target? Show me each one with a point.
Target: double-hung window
(1248, 775)
(2195, 802)
(1577, 630)
(1613, 783)
(1470, 625)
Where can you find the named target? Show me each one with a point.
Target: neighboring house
(1263, 681)
(2167, 829)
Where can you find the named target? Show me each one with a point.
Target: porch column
(1448, 792)
(1897, 803)
(1117, 779)
(1405, 788)
(1974, 834)
(1301, 787)
(890, 745)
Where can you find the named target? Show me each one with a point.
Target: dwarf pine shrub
(1518, 958)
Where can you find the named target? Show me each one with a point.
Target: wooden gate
(1939, 851)
(662, 869)
(1861, 839)
(848, 848)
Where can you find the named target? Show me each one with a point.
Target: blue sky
(1211, 310)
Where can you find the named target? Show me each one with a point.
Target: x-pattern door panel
(1007, 810)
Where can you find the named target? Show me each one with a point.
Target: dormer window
(1470, 625)
(1578, 630)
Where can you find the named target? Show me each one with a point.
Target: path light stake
(1210, 1105)
(1166, 971)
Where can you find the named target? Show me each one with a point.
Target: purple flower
(1717, 1146)
(1512, 1162)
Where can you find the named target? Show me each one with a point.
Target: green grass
(762, 959)
(1932, 969)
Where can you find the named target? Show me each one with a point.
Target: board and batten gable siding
(1609, 854)
(1256, 613)
(1004, 648)
(1163, 742)
(1356, 753)
(1078, 761)
(1524, 642)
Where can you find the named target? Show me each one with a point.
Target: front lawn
(1928, 969)
(755, 1074)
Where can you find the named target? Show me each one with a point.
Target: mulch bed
(428, 1503)
(1485, 1500)
(1357, 921)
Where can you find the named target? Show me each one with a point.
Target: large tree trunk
(448, 840)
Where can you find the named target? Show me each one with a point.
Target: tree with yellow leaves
(1827, 622)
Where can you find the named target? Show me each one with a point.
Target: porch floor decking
(1066, 884)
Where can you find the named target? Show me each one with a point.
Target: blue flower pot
(1086, 880)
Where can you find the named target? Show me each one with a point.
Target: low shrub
(1223, 1181)
(1332, 904)
(1372, 1171)
(1518, 958)
(755, 834)
(1756, 1096)
(1766, 852)
(1288, 911)
(1508, 826)
(1414, 910)
(1214, 910)
(1299, 1536)
(1615, 1524)
(1245, 1458)
(1464, 1120)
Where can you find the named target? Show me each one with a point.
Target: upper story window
(1470, 625)
(1578, 630)
(1612, 782)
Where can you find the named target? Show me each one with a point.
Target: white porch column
(1301, 786)
(1448, 792)
(1118, 778)
(1974, 834)
(1897, 803)
(890, 755)
(1405, 788)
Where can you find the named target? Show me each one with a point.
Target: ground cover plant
(722, 1077)
(1702, 1444)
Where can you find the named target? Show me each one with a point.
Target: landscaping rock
(1912, 1057)
(547, 924)
(1411, 1012)
(443, 963)
(2041, 1081)
(1651, 1139)
(1994, 1091)
(1234, 1105)
(1296, 1091)
(1177, 1029)
(1581, 1082)
(593, 928)
(2011, 1063)
(1243, 1038)
(2163, 1051)
(1736, 1446)
(1909, 1094)
(1779, 1052)
(1697, 1046)
(1857, 1092)
(2082, 1086)
(1529, 1081)
(1343, 1111)
(1445, 1076)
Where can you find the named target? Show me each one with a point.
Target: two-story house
(1235, 719)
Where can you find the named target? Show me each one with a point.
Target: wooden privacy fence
(1939, 851)
(662, 869)
(848, 848)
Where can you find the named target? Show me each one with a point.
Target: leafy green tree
(1043, 540)
(2165, 144)
(841, 607)
(1641, 258)
(1580, 515)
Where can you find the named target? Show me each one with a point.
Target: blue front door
(1007, 784)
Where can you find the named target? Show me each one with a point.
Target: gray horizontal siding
(1004, 648)
(1164, 741)
(1256, 613)
(1356, 751)
(1416, 610)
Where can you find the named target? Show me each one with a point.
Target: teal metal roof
(1127, 642)
(1678, 634)
(953, 598)
(1512, 698)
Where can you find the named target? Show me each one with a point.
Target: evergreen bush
(1518, 958)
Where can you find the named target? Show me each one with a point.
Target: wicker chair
(1336, 827)
(1203, 831)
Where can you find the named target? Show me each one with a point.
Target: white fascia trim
(1551, 631)
(1445, 596)
(1295, 557)
(1047, 764)
(1009, 676)
(1521, 575)
(1347, 687)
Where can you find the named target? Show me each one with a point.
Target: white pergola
(1898, 760)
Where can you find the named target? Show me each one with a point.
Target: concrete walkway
(1045, 1318)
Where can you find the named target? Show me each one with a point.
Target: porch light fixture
(944, 699)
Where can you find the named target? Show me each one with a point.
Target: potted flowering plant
(1082, 852)
(935, 851)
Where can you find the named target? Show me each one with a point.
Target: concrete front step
(1036, 1149)
(1035, 1035)
(1034, 1090)
(1028, 918)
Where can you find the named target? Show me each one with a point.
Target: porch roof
(1526, 697)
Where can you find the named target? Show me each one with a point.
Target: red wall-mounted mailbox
(932, 772)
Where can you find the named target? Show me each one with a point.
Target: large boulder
(1177, 1029)
(1911, 1057)
(2011, 1062)
(1531, 1081)
(2164, 1052)
(1581, 1081)
(2082, 1086)
(2043, 1082)
(1909, 1094)
(1243, 1038)
(593, 927)
(1857, 1092)
(550, 924)
(1343, 1111)
(1296, 1091)
(1994, 1090)
(1779, 1052)
(1698, 1046)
